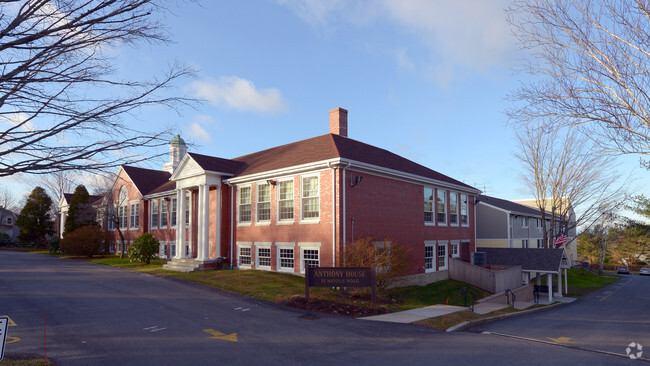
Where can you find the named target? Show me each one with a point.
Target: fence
(486, 279)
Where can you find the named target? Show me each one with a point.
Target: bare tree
(61, 102)
(591, 61)
(8, 200)
(112, 210)
(571, 183)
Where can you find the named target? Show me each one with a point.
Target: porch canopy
(532, 260)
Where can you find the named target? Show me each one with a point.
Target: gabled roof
(214, 164)
(330, 146)
(530, 259)
(95, 199)
(146, 180)
(509, 206)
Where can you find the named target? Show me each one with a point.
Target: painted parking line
(222, 336)
(154, 328)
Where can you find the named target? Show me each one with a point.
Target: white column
(566, 285)
(217, 240)
(180, 223)
(203, 224)
(62, 226)
(559, 283)
(549, 282)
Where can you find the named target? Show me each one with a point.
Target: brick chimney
(339, 121)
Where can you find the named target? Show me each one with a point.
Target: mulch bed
(329, 307)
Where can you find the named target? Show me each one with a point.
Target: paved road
(607, 320)
(98, 315)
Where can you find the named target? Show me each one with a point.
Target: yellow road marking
(561, 340)
(222, 336)
(11, 322)
(12, 339)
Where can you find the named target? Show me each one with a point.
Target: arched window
(122, 209)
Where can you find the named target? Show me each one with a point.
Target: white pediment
(189, 173)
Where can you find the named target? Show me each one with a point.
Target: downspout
(333, 213)
(344, 219)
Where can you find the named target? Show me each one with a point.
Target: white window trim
(444, 243)
(285, 245)
(257, 202)
(444, 205)
(457, 209)
(160, 215)
(172, 244)
(239, 222)
(279, 220)
(451, 246)
(309, 220)
(525, 243)
(263, 245)
(460, 205)
(433, 207)
(431, 243)
(171, 203)
(162, 245)
(151, 213)
(244, 244)
(137, 224)
(308, 245)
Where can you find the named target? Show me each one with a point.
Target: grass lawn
(24, 361)
(582, 282)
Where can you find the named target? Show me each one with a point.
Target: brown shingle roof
(331, 146)
(214, 164)
(146, 180)
(509, 205)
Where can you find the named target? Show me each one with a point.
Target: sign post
(340, 277)
(4, 322)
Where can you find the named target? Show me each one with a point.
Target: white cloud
(241, 94)
(403, 60)
(197, 132)
(18, 119)
(458, 34)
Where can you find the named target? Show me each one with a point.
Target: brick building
(294, 205)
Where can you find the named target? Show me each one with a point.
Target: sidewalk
(410, 316)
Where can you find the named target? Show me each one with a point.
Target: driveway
(607, 320)
(88, 314)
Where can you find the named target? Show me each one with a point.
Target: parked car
(644, 271)
(623, 270)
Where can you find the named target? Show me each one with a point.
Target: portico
(196, 185)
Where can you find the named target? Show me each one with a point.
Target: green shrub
(85, 241)
(54, 245)
(144, 248)
(5, 240)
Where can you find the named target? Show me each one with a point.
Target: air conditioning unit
(479, 259)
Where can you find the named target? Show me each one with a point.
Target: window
(524, 222)
(111, 217)
(8, 220)
(134, 215)
(442, 207)
(454, 248)
(244, 256)
(524, 243)
(285, 257)
(310, 198)
(164, 210)
(188, 208)
(263, 202)
(111, 247)
(188, 250)
(540, 243)
(310, 258)
(453, 208)
(172, 218)
(285, 200)
(162, 250)
(154, 214)
(172, 248)
(122, 218)
(382, 256)
(428, 205)
(428, 258)
(263, 257)
(538, 223)
(464, 208)
(442, 256)
(245, 204)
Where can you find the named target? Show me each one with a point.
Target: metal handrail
(508, 295)
(463, 292)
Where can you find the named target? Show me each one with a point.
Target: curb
(466, 325)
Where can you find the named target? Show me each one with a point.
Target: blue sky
(426, 79)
